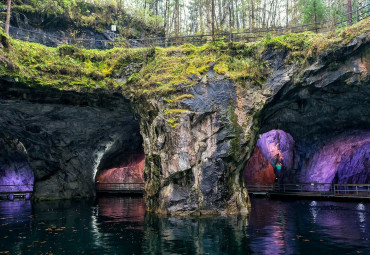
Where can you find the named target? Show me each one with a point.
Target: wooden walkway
(11, 192)
(120, 188)
(312, 190)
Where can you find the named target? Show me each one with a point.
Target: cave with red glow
(123, 164)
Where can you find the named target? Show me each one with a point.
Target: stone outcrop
(66, 136)
(197, 164)
(197, 147)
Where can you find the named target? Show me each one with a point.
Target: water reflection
(218, 235)
(120, 225)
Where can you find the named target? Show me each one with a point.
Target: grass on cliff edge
(162, 70)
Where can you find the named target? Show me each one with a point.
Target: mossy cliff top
(160, 71)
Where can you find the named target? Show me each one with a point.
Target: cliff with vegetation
(54, 22)
(199, 110)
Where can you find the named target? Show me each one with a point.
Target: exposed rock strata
(66, 135)
(196, 151)
(197, 165)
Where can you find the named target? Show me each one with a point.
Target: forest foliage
(188, 17)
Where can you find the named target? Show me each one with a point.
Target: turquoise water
(119, 225)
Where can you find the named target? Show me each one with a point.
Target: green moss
(173, 123)
(65, 67)
(179, 98)
(164, 72)
(175, 111)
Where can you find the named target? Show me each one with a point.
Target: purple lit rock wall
(322, 165)
(275, 146)
(344, 158)
(14, 168)
(277, 143)
(355, 168)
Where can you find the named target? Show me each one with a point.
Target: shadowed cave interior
(15, 173)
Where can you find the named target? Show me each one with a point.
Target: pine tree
(313, 11)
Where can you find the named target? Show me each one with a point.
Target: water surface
(119, 225)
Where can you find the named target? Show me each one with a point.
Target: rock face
(188, 167)
(323, 164)
(66, 136)
(355, 168)
(197, 165)
(197, 147)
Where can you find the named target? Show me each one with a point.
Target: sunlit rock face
(15, 171)
(346, 154)
(356, 167)
(129, 171)
(258, 169)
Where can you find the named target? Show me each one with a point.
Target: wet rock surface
(196, 148)
(197, 165)
(65, 135)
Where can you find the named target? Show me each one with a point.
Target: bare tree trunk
(166, 18)
(287, 13)
(230, 28)
(315, 10)
(251, 18)
(7, 22)
(349, 12)
(213, 19)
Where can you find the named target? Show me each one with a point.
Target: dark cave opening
(122, 165)
(16, 175)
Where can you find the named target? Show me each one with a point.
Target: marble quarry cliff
(197, 144)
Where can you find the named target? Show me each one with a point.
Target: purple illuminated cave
(15, 172)
(277, 145)
(341, 154)
(343, 159)
(355, 168)
(272, 157)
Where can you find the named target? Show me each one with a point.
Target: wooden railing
(119, 187)
(323, 26)
(352, 189)
(16, 188)
(345, 190)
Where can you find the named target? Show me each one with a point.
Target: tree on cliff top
(7, 22)
(313, 11)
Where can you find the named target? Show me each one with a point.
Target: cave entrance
(16, 175)
(338, 165)
(122, 171)
(272, 159)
